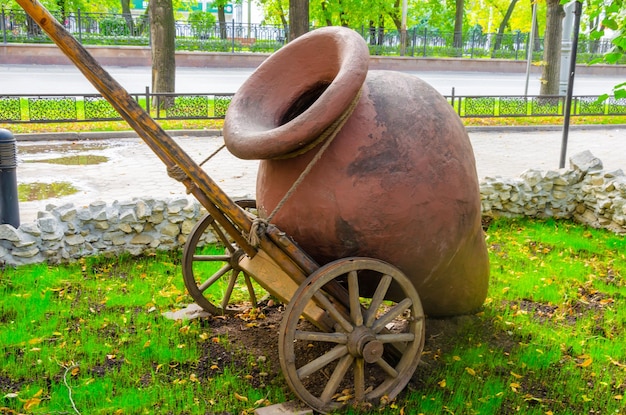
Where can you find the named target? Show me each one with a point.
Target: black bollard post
(9, 203)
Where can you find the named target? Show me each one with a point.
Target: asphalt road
(60, 79)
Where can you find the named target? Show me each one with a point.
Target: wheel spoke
(316, 364)
(199, 278)
(222, 237)
(355, 304)
(251, 292)
(333, 311)
(336, 378)
(229, 290)
(209, 258)
(359, 380)
(214, 277)
(394, 312)
(377, 299)
(387, 368)
(339, 338)
(396, 337)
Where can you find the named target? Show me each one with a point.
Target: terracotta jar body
(397, 182)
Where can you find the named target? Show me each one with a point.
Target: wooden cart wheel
(359, 362)
(202, 269)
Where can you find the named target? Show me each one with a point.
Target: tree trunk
(163, 37)
(221, 17)
(552, 48)
(458, 25)
(298, 18)
(128, 17)
(503, 24)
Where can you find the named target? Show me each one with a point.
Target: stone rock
(74, 240)
(66, 212)
(48, 224)
(127, 216)
(141, 240)
(25, 252)
(170, 229)
(30, 228)
(192, 311)
(532, 176)
(142, 210)
(9, 233)
(585, 162)
(176, 205)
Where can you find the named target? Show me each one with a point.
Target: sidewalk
(133, 170)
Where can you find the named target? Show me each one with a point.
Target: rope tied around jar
(259, 225)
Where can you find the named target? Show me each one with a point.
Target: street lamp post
(570, 84)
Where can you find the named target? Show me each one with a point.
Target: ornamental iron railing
(93, 107)
(535, 106)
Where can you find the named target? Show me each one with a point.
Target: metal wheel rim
(197, 289)
(402, 370)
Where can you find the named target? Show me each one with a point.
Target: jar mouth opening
(303, 102)
(296, 94)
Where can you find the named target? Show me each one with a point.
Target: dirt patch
(254, 335)
(258, 338)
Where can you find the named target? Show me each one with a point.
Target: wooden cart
(358, 349)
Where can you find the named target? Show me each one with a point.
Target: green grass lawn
(89, 337)
(33, 128)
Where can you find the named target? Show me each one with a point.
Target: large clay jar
(397, 182)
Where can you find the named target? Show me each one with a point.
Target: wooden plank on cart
(271, 277)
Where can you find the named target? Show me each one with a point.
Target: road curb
(534, 128)
(103, 135)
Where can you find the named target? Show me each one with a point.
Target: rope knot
(259, 226)
(176, 173)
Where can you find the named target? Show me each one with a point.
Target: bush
(112, 26)
(212, 45)
(201, 23)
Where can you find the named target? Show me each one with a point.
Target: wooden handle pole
(198, 182)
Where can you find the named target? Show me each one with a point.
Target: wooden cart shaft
(288, 263)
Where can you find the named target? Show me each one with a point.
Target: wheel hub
(235, 258)
(362, 343)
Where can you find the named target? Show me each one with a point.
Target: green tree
(201, 22)
(221, 16)
(608, 18)
(128, 16)
(503, 25)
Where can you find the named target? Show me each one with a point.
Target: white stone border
(584, 192)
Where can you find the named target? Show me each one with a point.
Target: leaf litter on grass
(549, 338)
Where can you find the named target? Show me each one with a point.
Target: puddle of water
(28, 192)
(60, 147)
(77, 160)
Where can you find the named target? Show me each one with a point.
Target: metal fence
(93, 107)
(535, 106)
(127, 29)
